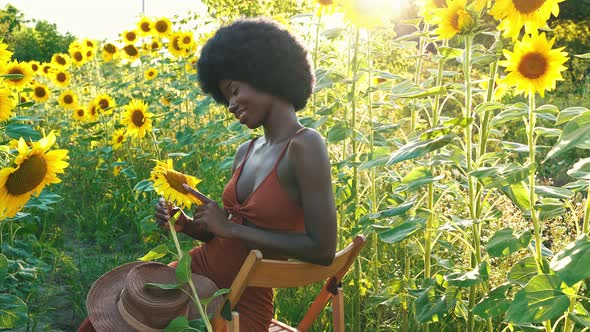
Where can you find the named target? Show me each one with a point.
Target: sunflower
(77, 56)
(453, 19)
(61, 78)
(144, 26)
(40, 92)
(34, 168)
(117, 167)
(105, 103)
(534, 66)
(35, 66)
(532, 14)
(325, 7)
(5, 54)
(191, 65)
(79, 114)
(46, 69)
(61, 60)
(175, 46)
(18, 68)
(118, 138)
(92, 111)
(155, 45)
(429, 7)
(131, 52)
(162, 27)
(89, 43)
(168, 183)
(130, 36)
(150, 74)
(137, 118)
(109, 52)
(7, 104)
(368, 14)
(68, 99)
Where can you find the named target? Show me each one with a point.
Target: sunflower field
(452, 149)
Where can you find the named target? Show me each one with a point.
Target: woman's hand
(165, 211)
(210, 216)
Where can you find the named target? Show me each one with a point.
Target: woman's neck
(281, 123)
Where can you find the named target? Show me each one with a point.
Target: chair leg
(338, 311)
(234, 325)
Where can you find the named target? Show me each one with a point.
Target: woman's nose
(232, 107)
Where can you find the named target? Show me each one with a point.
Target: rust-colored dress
(268, 206)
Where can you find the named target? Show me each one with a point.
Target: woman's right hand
(163, 215)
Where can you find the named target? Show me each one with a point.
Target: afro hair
(260, 53)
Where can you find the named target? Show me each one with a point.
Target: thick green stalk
(586, 214)
(414, 115)
(354, 190)
(532, 197)
(190, 280)
(471, 190)
(406, 308)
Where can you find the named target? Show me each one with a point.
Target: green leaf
(226, 311)
(429, 306)
(339, 132)
(549, 208)
(416, 149)
(504, 242)
(583, 320)
(509, 115)
(18, 130)
(575, 131)
(518, 194)
(450, 52)
(416, 178)
(375, 162)
(401, 231)
(495, 303)
(3, 268)
(469, 278)
(583, 56)
(581, 169)
(394, 211)
(553, 192)
(571, 264)
(178, 324)
(158, 252)
(163, 286)
(143, 186)
(540, 300)
(437, 90)
(183, 269)
(488, 106)
(13, 312)
(569, 113)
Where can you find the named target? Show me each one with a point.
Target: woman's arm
(318, 244)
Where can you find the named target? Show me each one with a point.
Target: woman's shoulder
(308, 141)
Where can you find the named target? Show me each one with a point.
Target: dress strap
(287, 146)
(247, 153)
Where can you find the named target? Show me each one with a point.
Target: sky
(100, 19)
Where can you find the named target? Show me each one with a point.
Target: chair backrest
(259, 272)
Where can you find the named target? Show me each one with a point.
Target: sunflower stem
(315, 58)
(171, 222)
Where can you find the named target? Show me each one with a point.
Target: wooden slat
(283, 326)
(338, 311)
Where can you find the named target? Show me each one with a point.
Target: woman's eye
(234, 92)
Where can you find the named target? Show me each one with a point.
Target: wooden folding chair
(259, 272)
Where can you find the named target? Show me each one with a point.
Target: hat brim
(101, 302)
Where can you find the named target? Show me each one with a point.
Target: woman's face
(247, 104)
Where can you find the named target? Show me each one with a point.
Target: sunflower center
(61, 77)
(175, 180)
(175, 44)
(110, 48)
(120, 139)
(186, 40)
(80, 112)
(46, 69)
(68, 99)
(527, 6)
(533, 65)
(40, 92)
(16, 71)
(137, 118)
(104, 104)
(155, 46)
(28, 176)
(161, 26)
(130, 50)
(145, 26)
(131, 36)
(78, 56)
(60, 60)
(325, 2)
(455, 21)
(35, 67)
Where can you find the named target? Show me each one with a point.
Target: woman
(279, 199)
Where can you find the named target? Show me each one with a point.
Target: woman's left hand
(210, 216)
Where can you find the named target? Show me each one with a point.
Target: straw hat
(118, 300)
